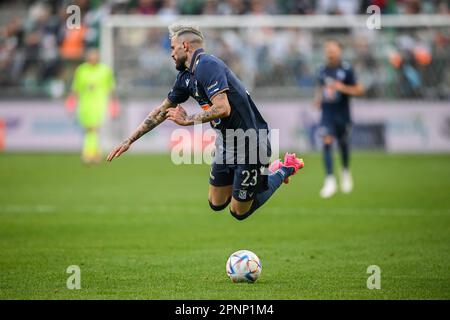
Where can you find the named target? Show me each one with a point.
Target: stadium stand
(38, 53)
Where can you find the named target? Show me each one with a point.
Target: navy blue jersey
(335, 104)
(208, 76)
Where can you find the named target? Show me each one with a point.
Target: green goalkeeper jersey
(93, 84)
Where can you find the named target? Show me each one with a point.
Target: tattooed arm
(220, 109)
(154, 118)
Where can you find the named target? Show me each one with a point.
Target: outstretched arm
(221, 108)
(352, 90)
(154, 118)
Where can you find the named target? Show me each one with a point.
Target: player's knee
(219, 207)
(239, 215)
(328, 140)
(241, 210)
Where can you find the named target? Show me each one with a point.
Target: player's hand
(114, 108)
(178, 115)
(71, 103)
(339, 86)
(117, 151)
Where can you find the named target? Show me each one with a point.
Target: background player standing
(92, 86)
(337, 83)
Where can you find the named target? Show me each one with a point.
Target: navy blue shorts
(341, 130)
(247, 179)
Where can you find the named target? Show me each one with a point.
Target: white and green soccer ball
(243, 266)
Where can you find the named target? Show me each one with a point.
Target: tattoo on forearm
(212, 113)
(216, 110)
(152, 121)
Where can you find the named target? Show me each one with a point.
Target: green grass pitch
(141, 228)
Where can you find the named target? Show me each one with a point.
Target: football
(243, 266)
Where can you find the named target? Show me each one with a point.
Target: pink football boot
(290, 161)
(274, 166)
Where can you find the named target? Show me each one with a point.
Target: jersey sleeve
(178, 93)
(212, 77)
(350, 77)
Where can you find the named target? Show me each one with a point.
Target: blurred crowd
(255, 7)
(38, 53)
(407, 63)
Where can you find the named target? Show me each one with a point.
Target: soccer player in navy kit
(243, 182)
(337, 83)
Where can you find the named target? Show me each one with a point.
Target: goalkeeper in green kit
(92, 87)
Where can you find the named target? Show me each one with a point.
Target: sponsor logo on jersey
(216, 89)
(213, 85)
